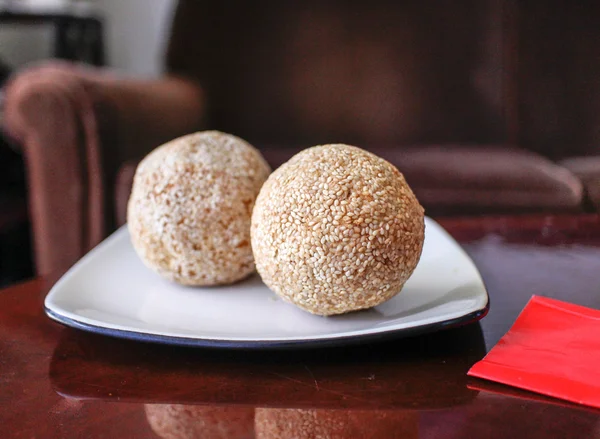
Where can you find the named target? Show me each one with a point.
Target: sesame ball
(336, 229)
(190, 208)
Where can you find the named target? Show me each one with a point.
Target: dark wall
(559, 76)
(397, 72)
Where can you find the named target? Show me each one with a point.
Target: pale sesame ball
(336, 229)
(190, 208)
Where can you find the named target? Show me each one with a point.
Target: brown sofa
(482, 104)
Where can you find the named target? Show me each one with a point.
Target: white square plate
(111, 292)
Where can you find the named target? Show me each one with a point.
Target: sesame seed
(347, 245)
(190, 208)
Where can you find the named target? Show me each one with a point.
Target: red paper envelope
(553, 349)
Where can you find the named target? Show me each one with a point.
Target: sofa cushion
(587, 169)
(454, 179)
(467, 179)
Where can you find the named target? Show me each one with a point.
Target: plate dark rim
(471, 317)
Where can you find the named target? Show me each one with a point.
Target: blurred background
(134, 32)
(488, 107)
(131, 40)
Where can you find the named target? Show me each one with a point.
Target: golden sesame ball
(336, 229)
(190, 208)
(336, 424)
(173, 421)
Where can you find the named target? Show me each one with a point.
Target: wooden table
(61, 383)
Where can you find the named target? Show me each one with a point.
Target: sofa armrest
(75, 126)
(123, 188)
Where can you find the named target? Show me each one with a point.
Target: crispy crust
(190, 208)
(336, 229)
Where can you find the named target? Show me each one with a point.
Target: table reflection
(418, 373)
(176, 421)
(489, 415)
(336, 424)
(509, 413)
